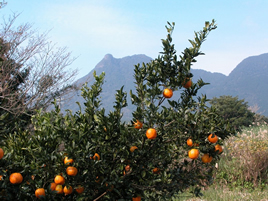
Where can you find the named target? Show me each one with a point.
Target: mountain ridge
(247, 81)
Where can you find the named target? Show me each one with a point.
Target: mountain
(247, 81)
(118, 73)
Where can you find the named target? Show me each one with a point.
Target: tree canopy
(236, 111)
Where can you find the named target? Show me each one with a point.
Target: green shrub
(236, 111)
(121, 174)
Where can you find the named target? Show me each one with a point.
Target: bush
(236, 111)
(100, 144)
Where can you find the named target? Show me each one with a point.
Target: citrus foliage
(114, 160)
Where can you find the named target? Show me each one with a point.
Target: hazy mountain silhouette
(247, 81)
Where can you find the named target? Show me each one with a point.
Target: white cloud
(97, 26)
(92, 30)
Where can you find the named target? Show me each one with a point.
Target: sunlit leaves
(96, 132)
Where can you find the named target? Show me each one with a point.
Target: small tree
(44, 64)
(149, 158)
(33, 72)
(236, 111)
(12, 80)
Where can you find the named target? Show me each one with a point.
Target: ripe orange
(15, 178)
(206, 158)
(80, 189)
(59, 180)
(151, 133)
(218, 148)
(40, 192)
(156, 170)
(190, 142)
(193, 153)
(187, 83)
(212, 138)
(127, 168)
(1, 153)
(167, 93)
(132, 149)
(59, 189)
(53, 186)
(1, 177)
(138, 124)
(71, 171)
(105, 129)
(67, 190)
(68, 161)
(96, 157)
(136, 198)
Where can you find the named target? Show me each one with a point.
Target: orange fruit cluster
(150, 133)
(206, 158)
(58, 183)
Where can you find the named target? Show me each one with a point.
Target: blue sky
(93, 28)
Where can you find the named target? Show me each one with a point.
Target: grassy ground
(215, 193)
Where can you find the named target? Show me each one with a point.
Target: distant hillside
(118, 72)
(247, 81)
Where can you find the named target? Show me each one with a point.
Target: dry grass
(248, 154)
(214, 193)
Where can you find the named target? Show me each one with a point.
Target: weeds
(245, 160)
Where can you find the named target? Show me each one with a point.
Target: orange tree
(114, 160)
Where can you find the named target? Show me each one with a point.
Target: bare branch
(33, 70)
